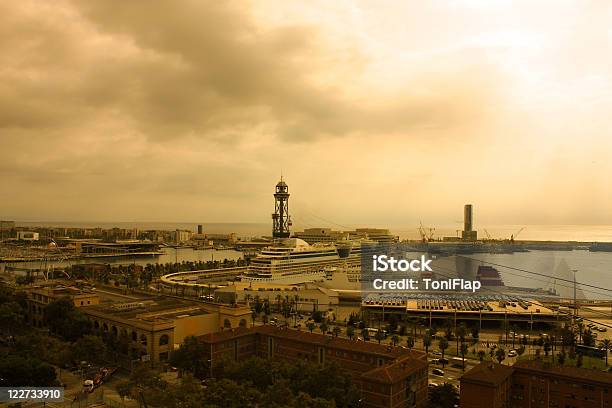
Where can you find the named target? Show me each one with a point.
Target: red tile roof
(397, 371)
(554, 370)
(315, 338)
(488, 373)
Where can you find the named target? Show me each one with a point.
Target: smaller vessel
(489, 276)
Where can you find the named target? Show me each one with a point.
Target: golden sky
(385, 112)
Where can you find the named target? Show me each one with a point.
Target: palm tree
(365, 334)
(350, 332)
(606, 345)
(323, 327)
(514, 330)
(427, 342)
(580, 326)
(460, 333)
(443, 345)
(464, 350)
(500, 354)
(379, 336)
(395, 339)
(410, 342)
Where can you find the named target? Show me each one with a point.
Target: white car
(512, 353)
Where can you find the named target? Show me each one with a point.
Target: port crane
(516, 234)
(487, 234)
(426, 233)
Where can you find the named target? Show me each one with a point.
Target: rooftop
(316, 338)
(149, 309)
(585, 374)
(488, 373)
(391, 373)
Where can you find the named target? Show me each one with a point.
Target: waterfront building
(154, 325)
(314, 235)
(181, 236)
(39, 297)
(386, 376)
(379, 235)
(28, 236)
(150, 326)
(302, 298)
(535, 384)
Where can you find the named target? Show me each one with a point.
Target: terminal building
(387, 376)
(316, 235)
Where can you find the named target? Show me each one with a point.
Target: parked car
(438, 372)
(512, 353)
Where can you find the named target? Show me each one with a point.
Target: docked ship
(489, 276)
(293, 261)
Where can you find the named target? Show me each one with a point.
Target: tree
(443, 345)
(89, 348)
(19, 371)
(192, 357)
(500, 355)
(11, 317)
(323, 327)
(350, 332)
(587, 338)
(561, 357)
(410, 342)
(427, 342)
(311, 326)
(443, 396)
(124, 388)
(481, 355)
(546, 347)
(460, 333)
(395, 339)
(464, 350)
(475, 333)
(365, 334)
(65, 320)
(606, 345)
(379, 336)
(336, 330)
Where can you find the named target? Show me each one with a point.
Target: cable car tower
(281, 221)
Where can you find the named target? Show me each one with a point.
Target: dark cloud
(199, 68)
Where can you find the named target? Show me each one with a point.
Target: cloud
(162, 110)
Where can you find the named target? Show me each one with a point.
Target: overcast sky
(385, 112)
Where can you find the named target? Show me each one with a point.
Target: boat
(489, 276)
(294, 261)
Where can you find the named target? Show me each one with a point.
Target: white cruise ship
(293, 261)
